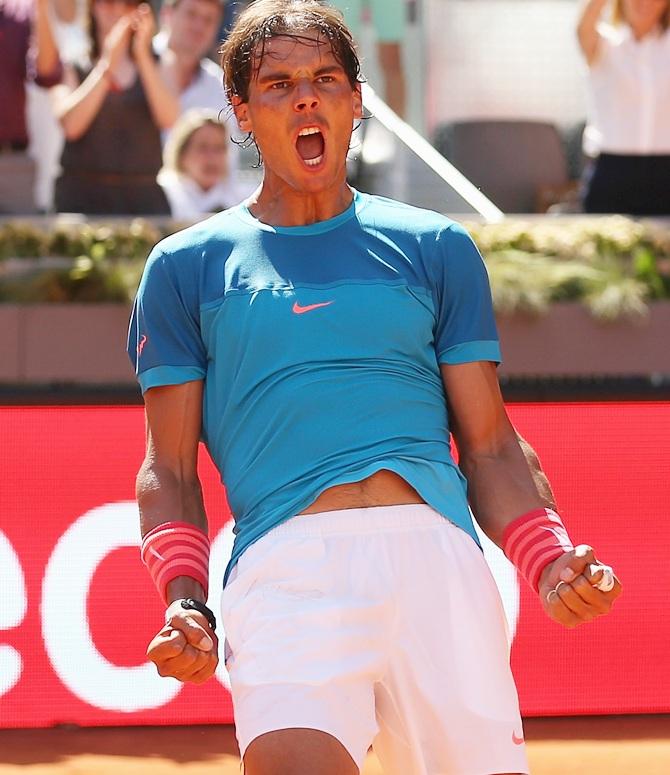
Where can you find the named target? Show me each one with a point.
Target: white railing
(430, 156)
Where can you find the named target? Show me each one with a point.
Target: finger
(121, 25)
(616, 591)
(558, 611)
(182, 665)
(592, 597)
(603, 578)
(197, 633)
(141, 17)
(600, 576)
(196, 658)
(206, 672)
(573, 602)
(582, 556)
(166, 645)
(186, 666)
(200, 669)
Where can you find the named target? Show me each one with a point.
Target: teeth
(310, 130)
(314, 162)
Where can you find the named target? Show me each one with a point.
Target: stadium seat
(520, 165)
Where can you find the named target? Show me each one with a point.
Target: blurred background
(494, 112)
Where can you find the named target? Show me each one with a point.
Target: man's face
(193, 26)
(301, 109)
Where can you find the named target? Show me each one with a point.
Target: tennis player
(324, 343)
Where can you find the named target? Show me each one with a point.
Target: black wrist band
(190, 604)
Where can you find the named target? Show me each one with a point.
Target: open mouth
(311, 145)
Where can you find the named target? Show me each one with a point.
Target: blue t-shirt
(319, 347)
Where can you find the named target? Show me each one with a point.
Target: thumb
(581, 558)
(197, 635)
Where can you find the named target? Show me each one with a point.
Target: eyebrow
(279, 75)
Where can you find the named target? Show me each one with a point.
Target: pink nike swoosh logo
(309, 307)
(517, 740)
(141, 344)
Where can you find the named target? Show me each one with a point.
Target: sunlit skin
(300, 85)
(205, 157)
(124, 32)
(643, 16)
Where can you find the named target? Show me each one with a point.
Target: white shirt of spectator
(629, 87)
(188, 201)
(206, 92)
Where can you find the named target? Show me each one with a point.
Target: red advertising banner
(77, 608)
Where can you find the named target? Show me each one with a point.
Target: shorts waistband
(373, 519)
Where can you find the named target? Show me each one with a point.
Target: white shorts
(379, 626)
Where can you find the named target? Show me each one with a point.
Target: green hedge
(613, 265)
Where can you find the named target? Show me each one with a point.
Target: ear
(357, 98)
(241, 111)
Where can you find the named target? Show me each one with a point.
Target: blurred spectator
(629, 129)
(389, 19)
(27, 52)
(112, 110)
(189, 29)
(196, 177)
(46, 135)
(44, 131)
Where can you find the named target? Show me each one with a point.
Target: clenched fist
(568, 588)
(186, 648)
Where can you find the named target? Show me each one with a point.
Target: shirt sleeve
(465, 330)
(164, 341)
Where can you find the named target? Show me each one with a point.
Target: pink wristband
(533, 540)
(176, 549)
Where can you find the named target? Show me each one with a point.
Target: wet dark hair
(243, 52)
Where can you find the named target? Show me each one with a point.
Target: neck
(277, 204)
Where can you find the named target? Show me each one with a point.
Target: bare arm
(168, 487)
(76, 107)
(66, 10)
(46, 58)
(504, 476)
(587, 32)
(163, 100)
(505, 480)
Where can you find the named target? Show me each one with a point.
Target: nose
(305, 97)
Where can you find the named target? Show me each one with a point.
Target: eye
(279, 85)
(326, 79)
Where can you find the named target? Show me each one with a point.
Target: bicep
(477, 414)
(174, 420)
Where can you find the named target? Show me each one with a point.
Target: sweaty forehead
(308, 49)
